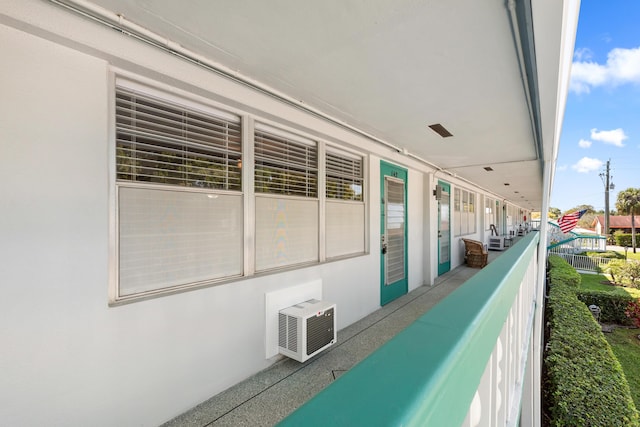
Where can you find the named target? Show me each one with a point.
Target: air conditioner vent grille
(282, 330)
(319, 331)
(287, 332)
(293, 334)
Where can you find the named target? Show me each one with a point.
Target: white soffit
(388, 68)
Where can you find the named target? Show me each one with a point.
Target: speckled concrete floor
(269, 396)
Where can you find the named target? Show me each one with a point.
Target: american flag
(568, 221)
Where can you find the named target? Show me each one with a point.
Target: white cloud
(612, 137)
(583, 143)
(582, 54)
(587, 164)
(622, 67)
(561, 168)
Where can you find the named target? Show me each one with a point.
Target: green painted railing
(428, 374)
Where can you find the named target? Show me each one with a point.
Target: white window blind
(489, 213)
(345, 228)
(160, 142)
(464, 212)
(344, 208)
(472, 213)
(344, 176)
(457, 215)
(285, 164)
(171, 238)
(395, 230)
(286, 232)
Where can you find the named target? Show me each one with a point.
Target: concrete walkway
(269, 396)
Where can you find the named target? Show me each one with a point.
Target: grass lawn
(593, 282)
(626, 347)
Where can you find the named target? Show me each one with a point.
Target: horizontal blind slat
(344, 177)
(285, 166)
(166, 143)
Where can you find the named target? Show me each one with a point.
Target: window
(489, 213)
(344, 176)
(181, 217)
(464, 212)
(178, 191)
(345, 208)
(471, 214)
(161, 143)
(287, 207)
(457, 211)
(285, 164)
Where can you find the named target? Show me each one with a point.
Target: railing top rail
(428, 373)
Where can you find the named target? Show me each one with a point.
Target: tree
(629, 201)
(554, 213)
(587, 218)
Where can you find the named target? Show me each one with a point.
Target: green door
(444, 229)
(393, 232)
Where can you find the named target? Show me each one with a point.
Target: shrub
(624, 239)
(614, 268)
(612, 306)
(630, 274)
(633, 313)
(584, 384)
(624, 273)
(562, 272)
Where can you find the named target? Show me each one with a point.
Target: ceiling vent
(440, 130)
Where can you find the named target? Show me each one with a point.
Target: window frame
(160, 94)
(248, 122)
(330, 241)
(464, 208)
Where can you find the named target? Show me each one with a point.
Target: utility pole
(606, 203)
(607, 186)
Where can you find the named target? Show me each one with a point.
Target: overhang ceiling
(389, 68)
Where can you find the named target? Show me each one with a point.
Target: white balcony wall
(505, 395)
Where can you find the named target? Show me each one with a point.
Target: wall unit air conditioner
(496, 243)
(307, 328)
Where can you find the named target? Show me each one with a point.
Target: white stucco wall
(70, 359)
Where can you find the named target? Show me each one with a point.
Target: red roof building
(616, 222)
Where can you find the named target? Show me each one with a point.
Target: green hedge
(624, 239)
(562, 272)
(584, 382)
(612, 306)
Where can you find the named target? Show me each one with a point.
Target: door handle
(383, 245)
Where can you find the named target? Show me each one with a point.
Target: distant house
(616, 223)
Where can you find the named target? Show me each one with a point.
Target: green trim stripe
(428, 374)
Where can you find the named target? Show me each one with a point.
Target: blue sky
(602, 117)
